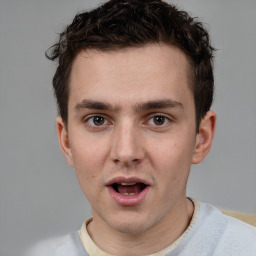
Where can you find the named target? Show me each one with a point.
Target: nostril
(126, 163)
(126, 149)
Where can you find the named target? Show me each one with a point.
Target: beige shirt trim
(94, 250)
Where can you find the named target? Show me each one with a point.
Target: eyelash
(166, 120)
(150, 121)
(91, 118)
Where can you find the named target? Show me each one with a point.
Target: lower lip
(128, 200)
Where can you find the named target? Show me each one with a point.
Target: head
(134, 85)
(117, 25)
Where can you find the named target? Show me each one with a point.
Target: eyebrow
(140, 107)
(157, 104)
(92, 104)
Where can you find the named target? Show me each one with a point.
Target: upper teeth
(127, 184)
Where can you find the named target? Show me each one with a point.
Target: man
(134, 87)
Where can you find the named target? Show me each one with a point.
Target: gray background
(39, 194)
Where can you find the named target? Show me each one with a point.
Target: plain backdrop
(39, 194)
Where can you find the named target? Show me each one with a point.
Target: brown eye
(96, 120)
(159, 120)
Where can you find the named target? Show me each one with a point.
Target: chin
(130, 229)
(131, 225)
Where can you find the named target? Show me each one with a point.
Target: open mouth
(129, 189)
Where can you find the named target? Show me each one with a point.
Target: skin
(129, 143)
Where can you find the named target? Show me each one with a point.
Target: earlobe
(64, 140)
(204, 137)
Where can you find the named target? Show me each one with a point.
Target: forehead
(140, 74)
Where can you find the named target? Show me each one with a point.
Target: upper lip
(122, 179)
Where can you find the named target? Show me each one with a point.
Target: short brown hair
(119, 24)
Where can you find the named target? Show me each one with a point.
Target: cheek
(172, 165)
(88, 150)
(89, 157)
(87, 167)
(173, 156)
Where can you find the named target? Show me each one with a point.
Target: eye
(158, 120)
(96, 120)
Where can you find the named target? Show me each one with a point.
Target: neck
(169, 229)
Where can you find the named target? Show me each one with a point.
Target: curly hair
(119, 24)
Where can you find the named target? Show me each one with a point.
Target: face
(131, 134)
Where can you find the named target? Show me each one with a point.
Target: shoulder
(236, 238)
(59, 246)
(239, 238)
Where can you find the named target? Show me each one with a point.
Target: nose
(127, 147)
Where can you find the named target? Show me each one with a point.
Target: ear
(64, 140)
(204, 137)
